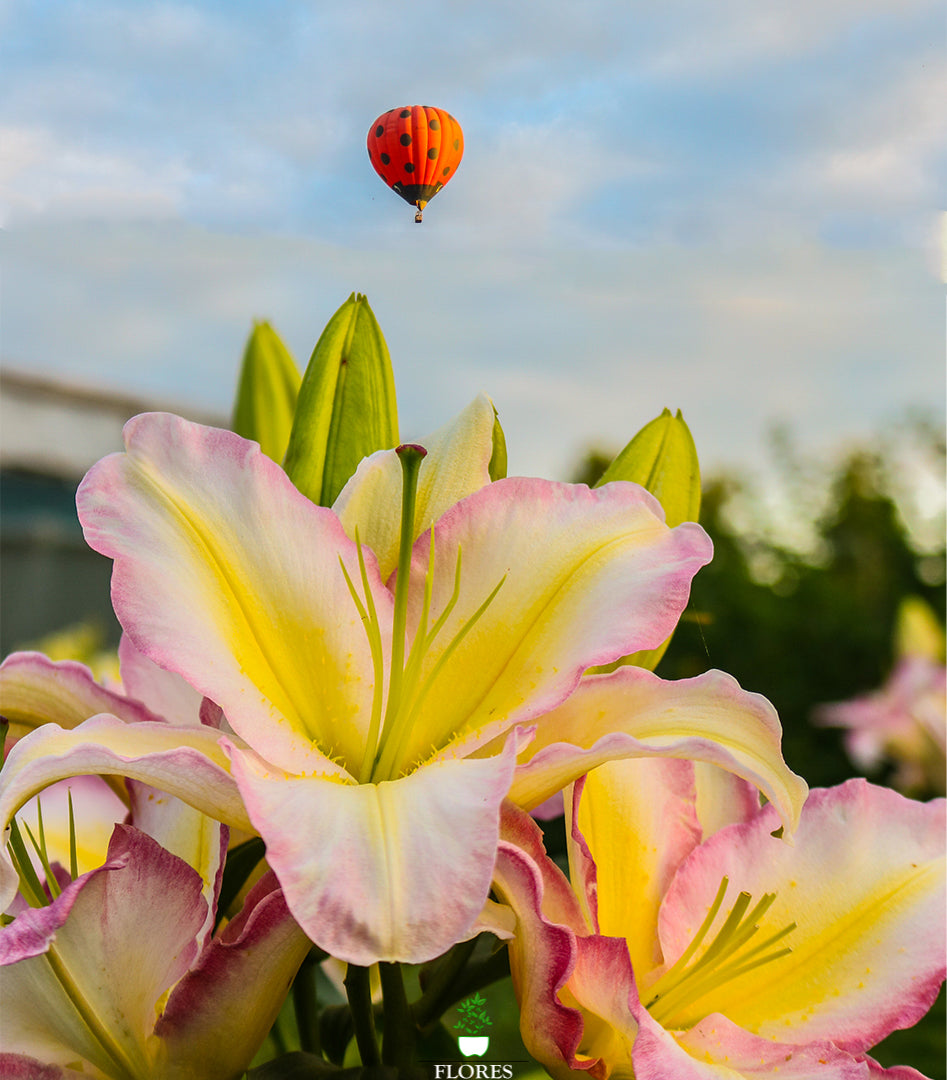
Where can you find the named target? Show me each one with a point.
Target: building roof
(61, 428)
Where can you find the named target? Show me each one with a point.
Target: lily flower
(393, 668)
(36, 691)
(905, 721)
(690, 948)
(116, 975)
(120, 971)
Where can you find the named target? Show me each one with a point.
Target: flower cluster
(373, 663)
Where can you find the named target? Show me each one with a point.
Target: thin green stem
(358, 989)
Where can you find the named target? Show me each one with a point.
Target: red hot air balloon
(416, 150)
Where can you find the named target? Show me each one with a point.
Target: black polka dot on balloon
(385, 159)
(405, 139)
(409, 166)
(456, 144)
(432, 153)
(404, 114)
(435, 125)
(379, 131)
(446, 170)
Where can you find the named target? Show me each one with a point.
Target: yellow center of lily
(388, 734)
(728, 956)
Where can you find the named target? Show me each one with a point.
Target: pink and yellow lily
(119, 973)
(119, 976)
(691, 948)
(393, 668)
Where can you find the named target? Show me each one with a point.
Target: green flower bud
(661, 458)
(266, 396)
(346, 408)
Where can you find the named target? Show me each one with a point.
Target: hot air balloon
(416, 150)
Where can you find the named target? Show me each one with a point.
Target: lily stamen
(387, 737)
(723, 960)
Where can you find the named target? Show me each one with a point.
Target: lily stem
(399, 1029)
(477, 976)
(358, 989)
(306, 1004)
(438, 993)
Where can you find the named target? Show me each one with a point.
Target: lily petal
(723, 798)
(633, 713)
(576, 989)
(896, 1072)
(587, 575)
(864, 884)
(364, 871)
(84, 938)
(543, 955)
(716, 1049)
(229, 576)
(35, 690)
(639, 821)
(219, 1013)
(184, 761)
(165, 691)
(199, 840)
(457, 464)
(20, 1067)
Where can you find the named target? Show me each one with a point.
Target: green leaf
(346, 408)
(661, 458)
(266, 395)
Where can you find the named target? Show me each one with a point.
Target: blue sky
(727, 207)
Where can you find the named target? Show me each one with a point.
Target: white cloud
(731, 36)
(894, 142)
(43, 176)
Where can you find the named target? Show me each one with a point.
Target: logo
(469, 1070)
(471, 1041)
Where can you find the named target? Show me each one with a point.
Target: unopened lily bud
(661, 458)
(346, 408)
(266, 396)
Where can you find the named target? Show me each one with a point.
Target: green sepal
(661, 458)
(497, 466)
(267, 392)
(346, 408)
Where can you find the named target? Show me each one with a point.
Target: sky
(731, 208)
